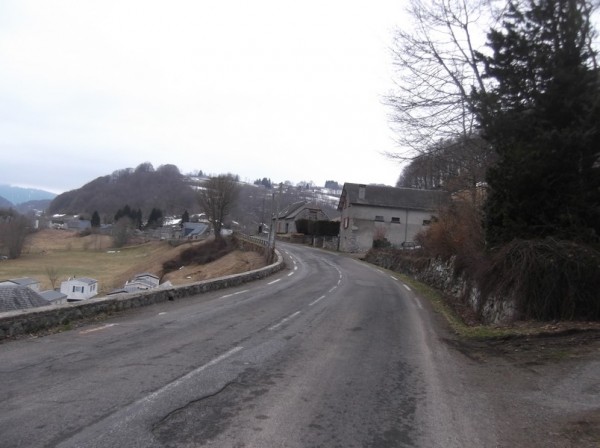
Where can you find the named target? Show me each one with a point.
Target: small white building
(142, 282)
(80, 288)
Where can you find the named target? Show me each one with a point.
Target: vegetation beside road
(65, 254)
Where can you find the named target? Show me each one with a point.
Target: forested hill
(141, 188)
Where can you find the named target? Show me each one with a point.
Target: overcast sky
(279, 89)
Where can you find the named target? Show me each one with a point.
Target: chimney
(361, 191)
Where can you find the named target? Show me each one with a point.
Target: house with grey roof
(286, 219)
(16, 297)
(374, 212)
(194, 230)
(80, 288)
(142, 282)
(53, 297)
(29, 282)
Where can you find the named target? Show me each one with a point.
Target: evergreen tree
(155, 218)
(185, 217)
(542, 117)
(95, 219)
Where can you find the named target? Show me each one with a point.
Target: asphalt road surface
(331, 352)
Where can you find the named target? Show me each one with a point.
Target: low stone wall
(32, 320)
(440, 275)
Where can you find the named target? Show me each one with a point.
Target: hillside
(141, 188)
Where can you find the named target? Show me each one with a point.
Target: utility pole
(274, 221)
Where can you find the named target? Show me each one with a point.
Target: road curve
(330, 352)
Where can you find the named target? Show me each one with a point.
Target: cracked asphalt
(331, 352)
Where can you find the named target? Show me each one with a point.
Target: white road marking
(333, 289)
(316, 301)
(91, 330)
(419, 304)
(162, 314)
(380, 271)
(177, 382)
(284, 320)
(234, 294)
(394, 277)
(290, 274)
(274, 281)
(407, 287)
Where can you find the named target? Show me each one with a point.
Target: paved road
(331, 352)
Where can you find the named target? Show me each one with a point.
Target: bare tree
(52, 273)
(436, 71)
(14, 228)
(216, 197)
(454, 165)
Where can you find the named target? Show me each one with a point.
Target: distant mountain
(18, 195)
(33, 206)
(5, 203)
(141, 188)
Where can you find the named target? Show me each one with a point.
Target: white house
(142, 282)
(80, 288)
(371, 212)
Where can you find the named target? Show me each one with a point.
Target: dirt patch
(233, 263)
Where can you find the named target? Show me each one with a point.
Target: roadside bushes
(550, 279)
(318, 228)
(545, 279)
(200, 254)
(457, 233)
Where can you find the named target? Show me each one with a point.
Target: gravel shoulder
(543, 386)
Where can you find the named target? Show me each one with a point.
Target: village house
(80, 288)
(28, 282)
(286, 219)
(373, 212)
(15, 297)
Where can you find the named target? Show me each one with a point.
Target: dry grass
(91, 256)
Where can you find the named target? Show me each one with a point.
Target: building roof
(392, 197)
(52, 295)
(293, 210)
(23, 281)
(19, 297)
(194, 228)
(86, 280)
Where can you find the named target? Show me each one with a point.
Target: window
(346, 222)
(77, 288)
(379, 218)
(427, 222)
(395, 220)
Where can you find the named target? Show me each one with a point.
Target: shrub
(550, 279)
(204, 253)
(318, 228)
(458, 233)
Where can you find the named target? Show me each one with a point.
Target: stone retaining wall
(440, 275)
(32, 320)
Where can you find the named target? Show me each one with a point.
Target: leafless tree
(454, 165)
(216, 197)
(52, 273)
(436, 69)
(14, 228)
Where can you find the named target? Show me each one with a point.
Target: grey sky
(280, 89)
